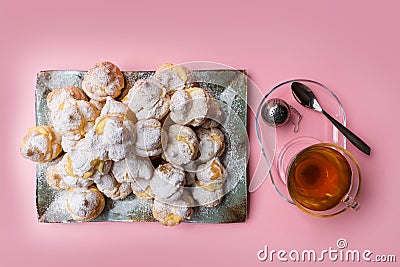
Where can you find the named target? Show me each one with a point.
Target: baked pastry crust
(141, 189)
(150, 136)
(57, 97)
(173, 77)
(148, 99)
(85, 204)
(190, 106)
(211, 174)
(133, 167)
(104, 79)
(182, 146)
(173, 213)
(74, 118)
(166, 182)
(209, 188)
(110, 187)
(206, 198)
(41, 144)
(55, 175)
(212, 143)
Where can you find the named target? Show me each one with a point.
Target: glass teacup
(324, 180)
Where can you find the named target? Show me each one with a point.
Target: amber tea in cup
(319, 178)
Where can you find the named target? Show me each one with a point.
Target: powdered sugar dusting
(133, 209)
(40, 144)
(104, 79)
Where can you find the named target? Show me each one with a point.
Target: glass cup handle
(351, 203)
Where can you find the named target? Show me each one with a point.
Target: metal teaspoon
(306, 97)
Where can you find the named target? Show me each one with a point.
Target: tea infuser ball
(275, 112)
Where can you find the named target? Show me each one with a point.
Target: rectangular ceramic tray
(227, 86)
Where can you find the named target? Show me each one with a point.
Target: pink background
(352, 46)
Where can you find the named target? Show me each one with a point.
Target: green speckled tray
(229, 87)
